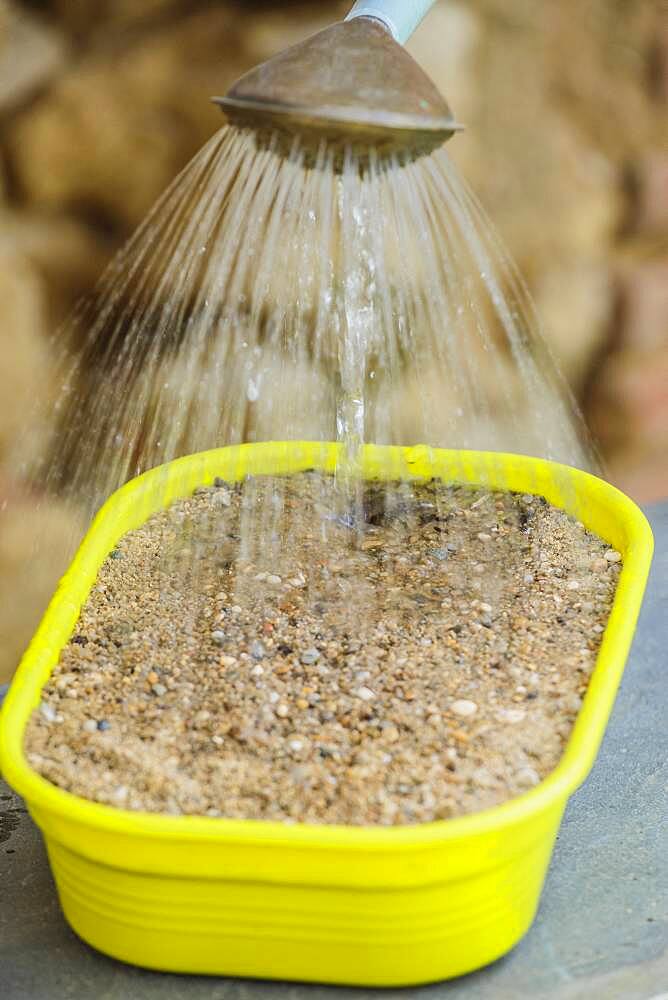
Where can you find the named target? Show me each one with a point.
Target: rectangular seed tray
(350, 905)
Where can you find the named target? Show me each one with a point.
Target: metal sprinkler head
(349, 84)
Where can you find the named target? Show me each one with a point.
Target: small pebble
(159, 690)
(274, 580)
(464, 708)
(483, 777)
(257, 650)
(90, 726)
(613, 556)
(310, 656)
(218, 637)
(528, 777)
(365, 693)
(512, 715)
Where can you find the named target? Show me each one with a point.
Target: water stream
(274, 294)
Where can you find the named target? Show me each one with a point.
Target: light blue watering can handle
(401, 16)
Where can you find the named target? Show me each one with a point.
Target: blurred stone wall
(566, 103)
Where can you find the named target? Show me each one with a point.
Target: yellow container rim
(601, 507)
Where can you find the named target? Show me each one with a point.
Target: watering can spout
(352, 83)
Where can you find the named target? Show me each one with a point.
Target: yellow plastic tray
(354, 905)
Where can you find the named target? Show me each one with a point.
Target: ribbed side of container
(311, 933)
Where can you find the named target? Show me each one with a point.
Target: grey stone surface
(602, 928)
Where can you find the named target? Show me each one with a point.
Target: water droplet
(252, 391)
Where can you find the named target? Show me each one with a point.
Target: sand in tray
(425, 662)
